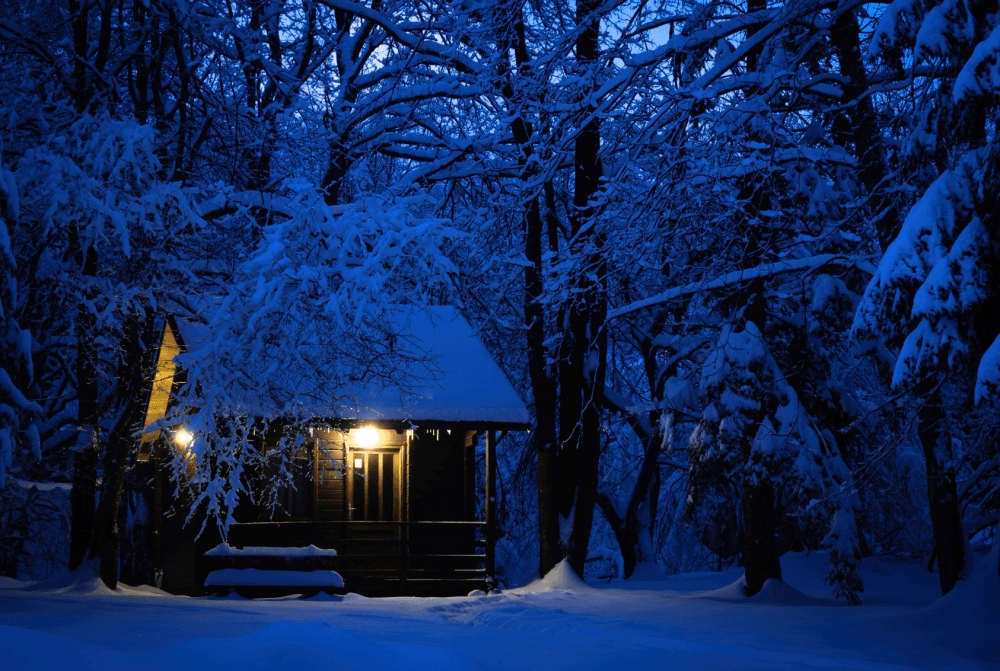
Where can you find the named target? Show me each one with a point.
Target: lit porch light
(183, 438)
(365, 437)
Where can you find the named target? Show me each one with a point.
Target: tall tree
(753, 85)
(99, 214)
(18, 435)
(564, 310)
(929, 298)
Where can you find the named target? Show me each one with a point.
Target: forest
(740, 259)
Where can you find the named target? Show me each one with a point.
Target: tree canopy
(740, 259)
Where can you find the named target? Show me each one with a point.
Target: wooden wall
(329, 477)
(159, 393)
(438, 470)
(441, 475)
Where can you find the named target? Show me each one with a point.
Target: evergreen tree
(931, 298)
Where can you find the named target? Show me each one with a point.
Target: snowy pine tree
(763, 471)
(933, 294)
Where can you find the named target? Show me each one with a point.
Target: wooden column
(491, 507)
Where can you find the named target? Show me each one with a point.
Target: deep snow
(693, 621)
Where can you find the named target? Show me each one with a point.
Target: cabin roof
(450, 378)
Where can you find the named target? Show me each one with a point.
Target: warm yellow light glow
(365, 437)
(183, 438)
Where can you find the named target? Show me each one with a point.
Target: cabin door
(374, 484)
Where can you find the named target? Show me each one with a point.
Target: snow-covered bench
(271, 571)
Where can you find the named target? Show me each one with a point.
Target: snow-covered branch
(806, 265)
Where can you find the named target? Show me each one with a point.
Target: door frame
(354, 477)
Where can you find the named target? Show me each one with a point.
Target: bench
(271, 571)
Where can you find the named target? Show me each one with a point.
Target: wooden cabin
(400, 482)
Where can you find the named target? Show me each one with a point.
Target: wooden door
(374, 485)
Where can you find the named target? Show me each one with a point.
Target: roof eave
(414, 423)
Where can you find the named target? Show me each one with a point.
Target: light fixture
(183, 438)
(366, 436)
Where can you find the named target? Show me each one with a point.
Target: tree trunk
(758, 545)
(584, 344)
(625, 535)
(567, 391)
(760, 549)
(544, 392)
(338, 165)
(88, 71)
(134, 372)
(83, 497)
(633, 529)
(82, 91)
(511, 37)
(942, 490)
(633, 534)
(861, 126)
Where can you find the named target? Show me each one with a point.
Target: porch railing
(387, 558)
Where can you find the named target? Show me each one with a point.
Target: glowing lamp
(183, 438)
(365, 437)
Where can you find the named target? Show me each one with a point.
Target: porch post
(491, 508)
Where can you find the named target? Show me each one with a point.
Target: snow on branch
(417, 43)
(957, 287)
(980, 76)
(808, 264)
(885, 311)
(988, 375)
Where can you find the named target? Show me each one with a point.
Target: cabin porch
(387, 558)
(404, 509)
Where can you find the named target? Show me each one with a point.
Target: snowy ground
(694, 621)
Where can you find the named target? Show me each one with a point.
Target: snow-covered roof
(448, 377)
